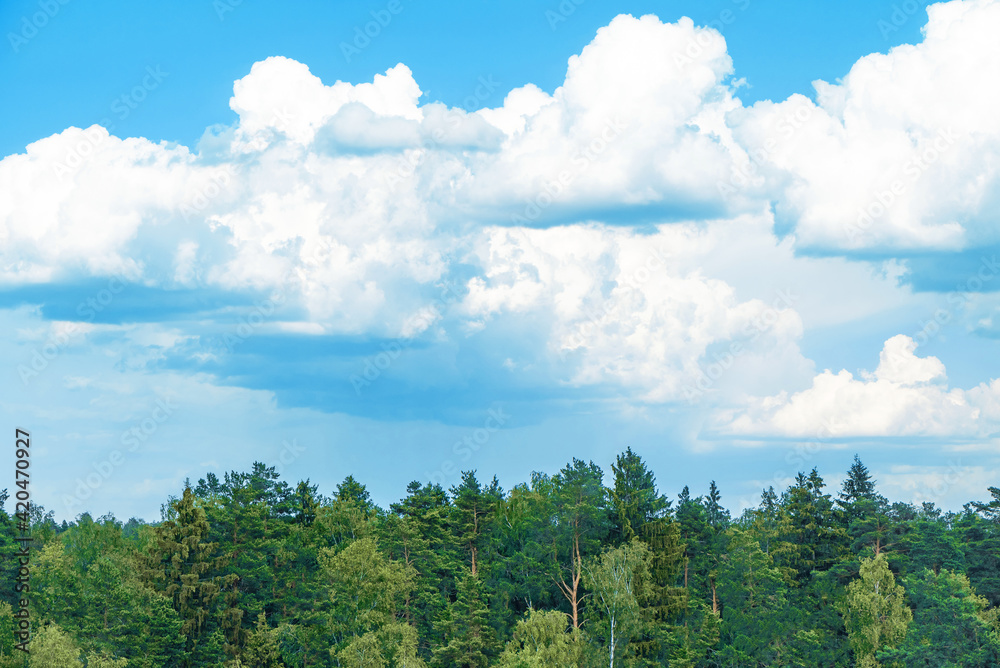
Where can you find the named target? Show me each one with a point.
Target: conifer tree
(186, 567)
(470, 641)
(634, 498)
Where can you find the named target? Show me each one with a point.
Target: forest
(561, 571)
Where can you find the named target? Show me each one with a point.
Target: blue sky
(744, 239)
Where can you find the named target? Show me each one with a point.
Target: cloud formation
(906, 395)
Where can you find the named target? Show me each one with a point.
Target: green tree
(261, 650)
(54, 648)
(187, 569)
(665, 601)
(102, 660)
(875, 612)
(952, 626)
(755, 622)
(581, 526)
(544, 639)
(634, 498)
(366, 589)
(617, 579)
(469, 640)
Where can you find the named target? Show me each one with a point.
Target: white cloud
(905, 396)
(623, 308)
(902, 153)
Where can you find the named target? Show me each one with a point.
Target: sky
(400, 240)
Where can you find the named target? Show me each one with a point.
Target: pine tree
(352, 490)
(579, 504)
(470, 641)
(858, 486)
(471, 512)
(634, 498)
(664, 601)
(186, 568)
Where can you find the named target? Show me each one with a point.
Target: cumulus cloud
(906, 395)
(357, 202)
(901, 154)
(623, 308)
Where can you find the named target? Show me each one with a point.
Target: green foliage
(544, 639)
(54, 648)
(875, 611)
(367, 590)
(634, 499)
(952, 626)
(247, 570)
(617, 580)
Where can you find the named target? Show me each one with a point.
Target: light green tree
(617, 578)
(54, 648)
(367, 591)
(875, 612)
(392, 646)
(102, 660)
(261, 648)
(543, 639)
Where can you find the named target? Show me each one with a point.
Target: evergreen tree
(664, 601)
(581, 526)
(634, 498)
(186, 568)
(951, 625)
(352, 490)
(469, 639)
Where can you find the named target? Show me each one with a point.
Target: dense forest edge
(561, 571)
